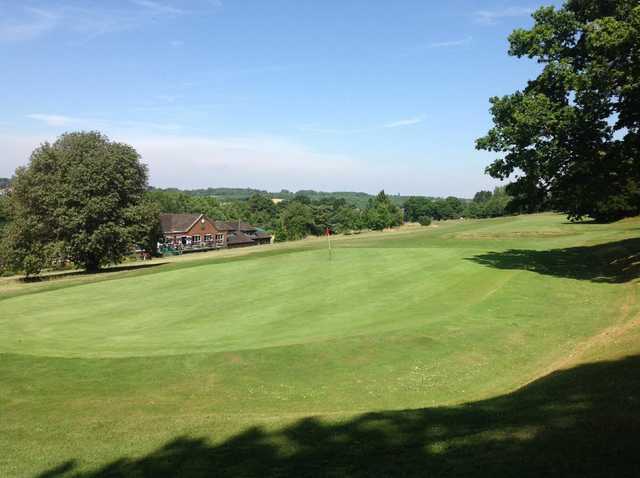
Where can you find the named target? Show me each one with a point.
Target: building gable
(202, 226)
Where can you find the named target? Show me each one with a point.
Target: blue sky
(331, 95)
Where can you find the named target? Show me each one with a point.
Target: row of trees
(301, 216)
(484, 204)
(289, 219)
(358, 199)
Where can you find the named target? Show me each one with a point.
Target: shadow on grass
(583, 421)
(62, 274)
(613, 262)
(587, 222)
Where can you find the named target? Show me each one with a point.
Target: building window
(219, 238)
(196, 238)
(207, 238)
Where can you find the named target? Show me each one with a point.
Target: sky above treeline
(299, 94)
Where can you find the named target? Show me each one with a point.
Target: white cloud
(451, 43)
(52, 120)
(404, 122)
(158, 8)
(491, 17)
(60, 121)
(272, 163)
(34, 23)
(93, 19)
(30, 24)
(389, 125)
(321, 130)
(422, 48)
(186, 6)
(263, 161)
(143, 125)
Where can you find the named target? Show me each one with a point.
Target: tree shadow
(583, 421)
(613, 262)
(52, 276)
(587, 222)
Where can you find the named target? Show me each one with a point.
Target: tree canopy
(381, 213)
(571, 137)
(484, 204)
(78, 199)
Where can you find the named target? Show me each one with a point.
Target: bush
(424, 220)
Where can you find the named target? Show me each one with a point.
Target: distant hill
(229, 194)
(233, 194)
(356, 198)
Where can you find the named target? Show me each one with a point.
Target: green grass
(408, 348)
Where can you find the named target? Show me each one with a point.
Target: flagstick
(329, 241)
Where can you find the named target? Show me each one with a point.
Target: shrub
(424, 220)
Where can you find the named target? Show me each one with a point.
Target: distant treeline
(298, 215)
(359, 199)
(4, 183)
(484, 204)
(293, 218)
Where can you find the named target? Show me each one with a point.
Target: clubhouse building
(194, 232)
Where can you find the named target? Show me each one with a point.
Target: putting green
(266, 302)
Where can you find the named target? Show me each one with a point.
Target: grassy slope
(100, 368)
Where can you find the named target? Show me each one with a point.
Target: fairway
(228, 351)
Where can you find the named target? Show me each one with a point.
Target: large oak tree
(80, 199)
(572, 136)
